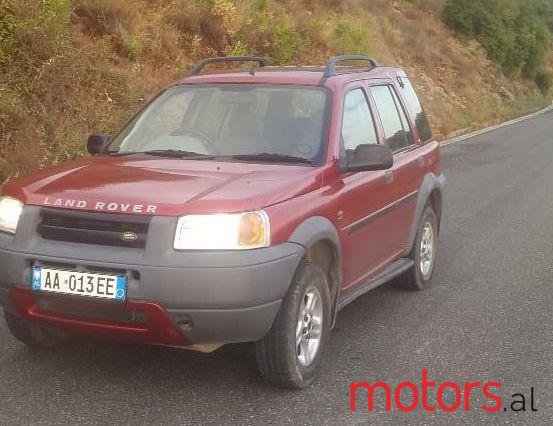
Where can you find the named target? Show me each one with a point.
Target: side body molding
(430, 183)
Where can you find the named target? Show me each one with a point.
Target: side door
(409, 163)
(365, 196)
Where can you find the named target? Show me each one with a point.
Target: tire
(280, 360)
(416, 277)
(34, 335)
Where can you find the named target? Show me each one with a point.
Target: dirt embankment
(73, 67)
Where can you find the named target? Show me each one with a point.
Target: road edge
(470, 135)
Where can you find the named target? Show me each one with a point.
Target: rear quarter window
(415, 109)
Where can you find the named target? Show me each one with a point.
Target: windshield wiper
(118, 153)
(270, 157)
(172, 153)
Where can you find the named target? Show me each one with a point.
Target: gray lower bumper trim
(226, 325)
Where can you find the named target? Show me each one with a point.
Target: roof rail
(331, 67)
(198, 68)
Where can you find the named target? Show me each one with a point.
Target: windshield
(245, 121)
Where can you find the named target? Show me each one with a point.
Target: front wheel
(424, 252)
(289, 356)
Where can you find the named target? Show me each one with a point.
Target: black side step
(395, 269)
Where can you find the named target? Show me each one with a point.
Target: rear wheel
(289, 356)
(423, 253)
(34, 335)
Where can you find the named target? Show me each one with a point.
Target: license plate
(104, 286)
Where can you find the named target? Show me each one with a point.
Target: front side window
(357, 124)
(230, 120)
(397, 132)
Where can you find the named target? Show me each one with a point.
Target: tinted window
(415, 109)
(357, 125)
(391, 121)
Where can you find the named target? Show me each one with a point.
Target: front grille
(90, 310)
(94, 228)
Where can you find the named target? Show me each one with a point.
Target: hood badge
(129, 236)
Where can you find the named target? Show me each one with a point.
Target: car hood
(170, 187)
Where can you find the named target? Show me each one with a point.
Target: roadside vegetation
(515, 33)
(68, 68)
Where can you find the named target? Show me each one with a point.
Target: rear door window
(403, 118)
(415, 109)
(396, 130)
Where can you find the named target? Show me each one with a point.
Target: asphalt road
(487, 316)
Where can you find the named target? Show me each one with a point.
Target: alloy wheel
(427, 249)
(309, 327)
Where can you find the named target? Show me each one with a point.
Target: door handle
(389, 176)
(422, 161)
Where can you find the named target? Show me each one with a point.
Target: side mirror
(96, 143)
(369, 157)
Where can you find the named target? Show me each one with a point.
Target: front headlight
(10, 210)
(228, 231)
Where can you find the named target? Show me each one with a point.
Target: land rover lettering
(102, 206)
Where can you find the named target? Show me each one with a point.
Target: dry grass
(86, 65)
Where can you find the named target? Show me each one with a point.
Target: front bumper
(208, 297)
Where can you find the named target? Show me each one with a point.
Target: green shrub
(32, 31)
(462, 15)
(239, 48)
(132, 47)
(516, 33)
(350, 38)
(9, 45)
(286, 40)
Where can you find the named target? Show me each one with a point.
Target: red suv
(238, 206)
